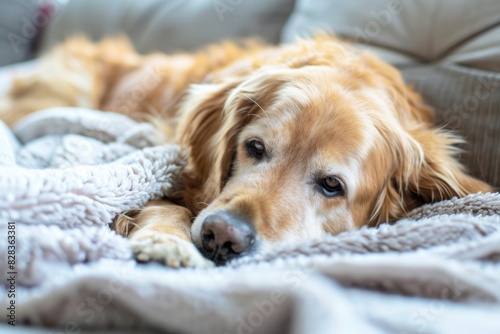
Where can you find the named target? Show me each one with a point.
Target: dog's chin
(220, 261)
(257, 247)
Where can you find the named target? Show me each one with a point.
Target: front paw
(168, 249)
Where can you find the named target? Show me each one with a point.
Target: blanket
(64, 175)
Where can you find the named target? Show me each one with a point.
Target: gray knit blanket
(65, 173)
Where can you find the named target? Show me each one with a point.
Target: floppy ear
(441, 176)
(209, 149)
(425, 166)
(212, 117)
(427, 170)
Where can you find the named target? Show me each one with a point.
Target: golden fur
(320, 107)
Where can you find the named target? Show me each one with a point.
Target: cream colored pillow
(409, 31)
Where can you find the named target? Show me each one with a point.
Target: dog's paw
(168, 249)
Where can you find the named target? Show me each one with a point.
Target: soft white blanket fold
(65, 173)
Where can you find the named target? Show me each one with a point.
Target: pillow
(168, 26)
(457, 31)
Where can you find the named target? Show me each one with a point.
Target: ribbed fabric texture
(466, 101)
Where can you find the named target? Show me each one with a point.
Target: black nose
(225, 236)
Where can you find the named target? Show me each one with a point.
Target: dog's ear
(203, 119)
(426, 170)
(425, 165)
(211, 119)
(441, 176)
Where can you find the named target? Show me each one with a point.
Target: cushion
(158, 25)
(458, 31)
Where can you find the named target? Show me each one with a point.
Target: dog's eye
(332, 186)
(256, 149)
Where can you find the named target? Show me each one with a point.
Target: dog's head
(323, 140)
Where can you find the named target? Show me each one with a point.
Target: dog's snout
(225, 236)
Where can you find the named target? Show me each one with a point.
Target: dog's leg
(161, 232)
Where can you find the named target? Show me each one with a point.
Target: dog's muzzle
(225, 236)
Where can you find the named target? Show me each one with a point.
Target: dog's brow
(258, 105)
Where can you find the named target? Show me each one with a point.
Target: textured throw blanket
(64, 175)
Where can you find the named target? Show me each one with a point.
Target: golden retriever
(283, 142)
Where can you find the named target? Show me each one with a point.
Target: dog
(283, 143)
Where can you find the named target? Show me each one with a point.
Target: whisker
(258, 105)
